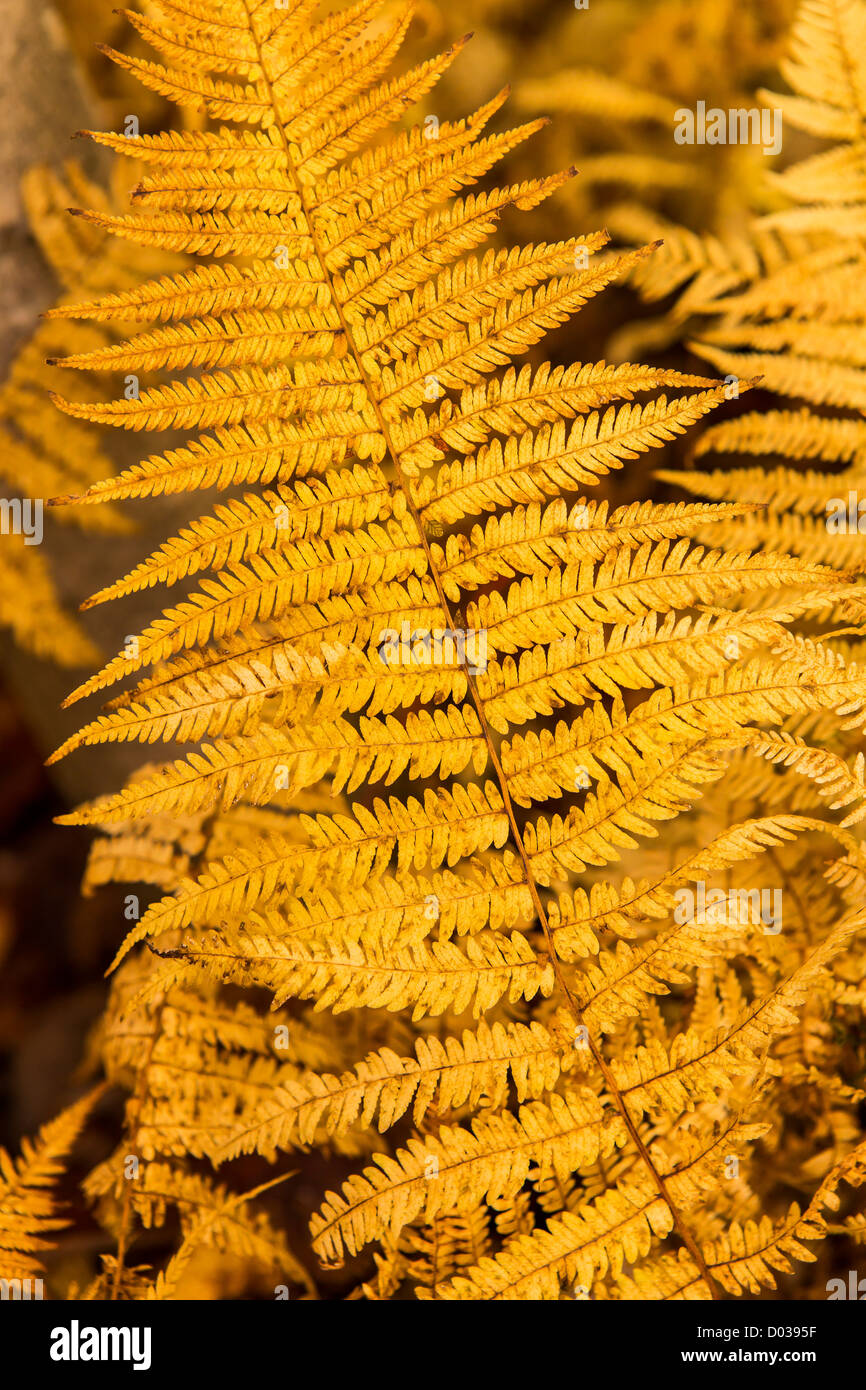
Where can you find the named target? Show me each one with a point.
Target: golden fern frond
(598, 1238)
(445, 1075)
(37, 453)
(696, 1064)
(219, 1219)
(831, 773)
(491, 1160)
(746, 1257)
(28, 1206)
(39, 460)
(825, 69)
(577, 916)
(322, 508)
(202, 1203)
(426, 979)
(38, 622)
(422, 574)
(795, 316)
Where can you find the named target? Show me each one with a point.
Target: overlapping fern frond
(442, 697)
(786, 303)
(38, 458)
(29, 1210)
(620, 76)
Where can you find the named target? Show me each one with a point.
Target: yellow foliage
(535, 992)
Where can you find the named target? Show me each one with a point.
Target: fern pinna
(546, 1074)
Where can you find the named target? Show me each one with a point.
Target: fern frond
(445, 1075)
(356, 350)
(490, 1161)
(618, 1227)
(28, 1209)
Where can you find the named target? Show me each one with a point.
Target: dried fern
(28, 1206)
(499, 928)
